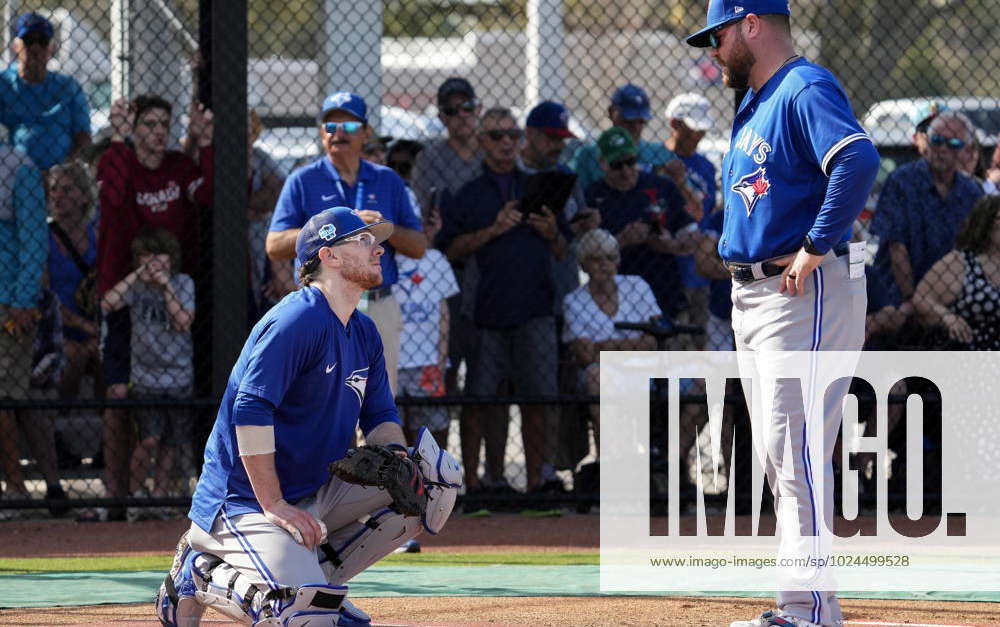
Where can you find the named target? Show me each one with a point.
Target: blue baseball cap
(722, 11)
(551, 118)
(632, 101)
(329, 226)
(33, 23)
(346, 101)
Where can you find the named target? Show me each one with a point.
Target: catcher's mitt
(378, 466)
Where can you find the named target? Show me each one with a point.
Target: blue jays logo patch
(328, 231)
(752, 187)
(357, 381)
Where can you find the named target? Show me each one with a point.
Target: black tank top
(979, 305)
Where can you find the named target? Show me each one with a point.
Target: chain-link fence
(153, 135)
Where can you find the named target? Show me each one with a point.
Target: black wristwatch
(807, 245)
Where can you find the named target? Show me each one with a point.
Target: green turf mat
(94, 588)
(32, 565)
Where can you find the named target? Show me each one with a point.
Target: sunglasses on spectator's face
(622, 163)
(952, 142)
(35, 38)
(469, 106)
(349, 128)
(365, 238)
(510, 133)
(713, 37)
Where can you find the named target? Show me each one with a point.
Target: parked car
(890, 123)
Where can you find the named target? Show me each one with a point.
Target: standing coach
(342, 178)
(796, 176)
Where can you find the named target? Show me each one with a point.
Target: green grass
(162, 562)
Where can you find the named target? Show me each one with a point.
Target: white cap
(692, 109)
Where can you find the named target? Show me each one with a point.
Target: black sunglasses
(713, 35)
(510, 133)
(469, 106)
(952, 142)
(621, 163)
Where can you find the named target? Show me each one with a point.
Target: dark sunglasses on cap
(510, 133)
(469, 106)
(713, 36)
(621, 163)
(952, 142)
(349, 127)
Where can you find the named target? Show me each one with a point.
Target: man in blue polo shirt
(46, 113)
(376, 192)
(515, 295)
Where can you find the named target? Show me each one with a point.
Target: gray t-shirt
(438, 167)
(161, 356)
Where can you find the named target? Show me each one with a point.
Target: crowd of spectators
(494, 285)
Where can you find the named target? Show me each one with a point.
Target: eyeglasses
(349, 128)
(365, 238)
(621, 163)
(513, 134)
(713, 35)
(469, 106)
(952, 142)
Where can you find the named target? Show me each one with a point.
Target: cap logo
(564, 117)
(339, 98)
(328, 231)
(617, 140)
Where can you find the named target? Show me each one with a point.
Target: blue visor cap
(722, 11)
(348, 102)
(328, 227)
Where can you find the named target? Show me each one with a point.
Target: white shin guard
(220, 586)
(354, 547)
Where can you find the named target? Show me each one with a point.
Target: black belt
(379, 293)
(749, 272)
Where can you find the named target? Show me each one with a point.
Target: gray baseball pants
(828, 316)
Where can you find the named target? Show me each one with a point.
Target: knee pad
(354, 547)
(442, 476)
(176, 605)
(222, 587)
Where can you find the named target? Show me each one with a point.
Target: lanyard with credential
(359, 198)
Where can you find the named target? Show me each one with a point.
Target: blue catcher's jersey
(322, 379)
(775, 175)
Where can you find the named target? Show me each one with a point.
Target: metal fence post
(229, 211)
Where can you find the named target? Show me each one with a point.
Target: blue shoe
(410, 546)
(175, 598)
(353, 616)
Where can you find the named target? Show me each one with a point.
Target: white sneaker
(410, 546)
(775, 618)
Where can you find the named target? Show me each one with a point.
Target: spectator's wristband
(807, 245)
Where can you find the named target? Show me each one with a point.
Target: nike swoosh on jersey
(328, 198)
(329, 369)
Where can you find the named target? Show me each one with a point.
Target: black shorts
(116, 347)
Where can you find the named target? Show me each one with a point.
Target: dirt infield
(576, 611)
(498, 533)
